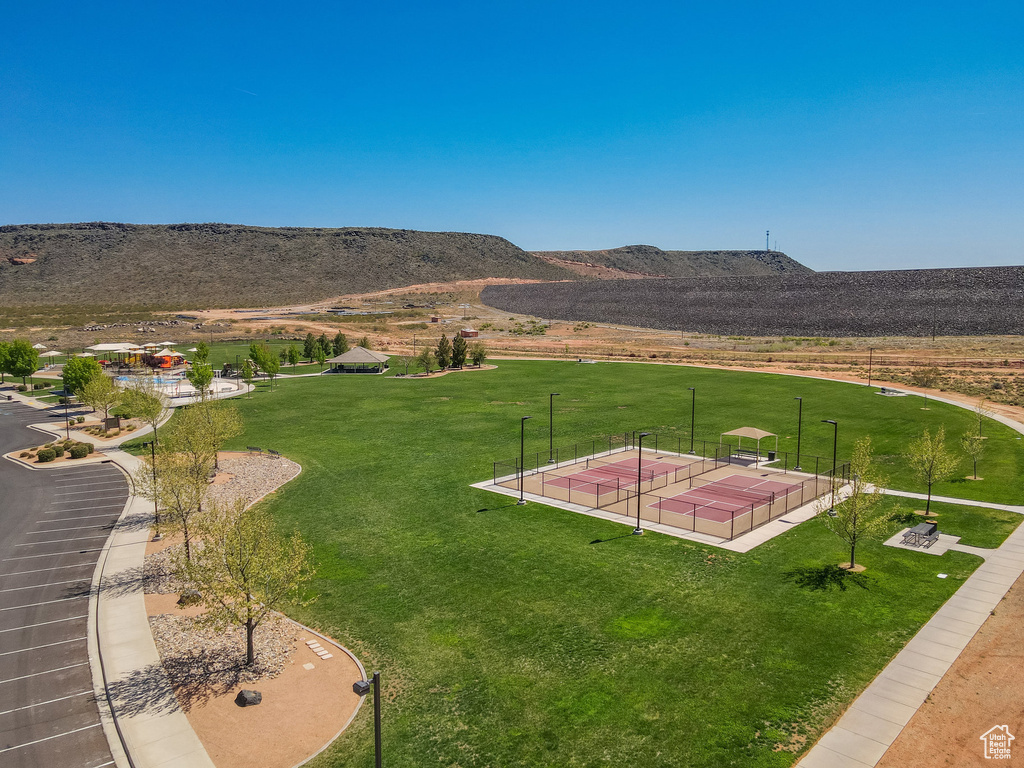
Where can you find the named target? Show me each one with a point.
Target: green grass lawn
(976, 526)
(532, 636)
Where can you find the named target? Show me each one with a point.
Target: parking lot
(53, 525)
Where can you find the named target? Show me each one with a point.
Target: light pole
(67, 424)
(693, 410)
(638, 531)
(551, 427)
(522, 457)
(871, 354)
(362, 687)
(156, 509)
(835, 440)
(799, 430)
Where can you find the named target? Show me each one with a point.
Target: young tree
(178, 491)
(973, 444)
(307, 347)
(340, 344)
(248, 374)
(79, 371)
(22, 359)
(245, 568)
(294, 356)
(5, 359)
(365, 343)
(443, 352)
(146, 402)
(982, 412)
(100, 394)
(478, 353)
(459, 351)
(320, 354)
(863, 515)
(200, 376)
(323, 341)
(425, 360)
(930, 461)
(265, 360)
(202, 353)
(404, 361)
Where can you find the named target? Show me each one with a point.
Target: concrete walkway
(951, 500)
(879, 714)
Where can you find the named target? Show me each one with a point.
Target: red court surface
(602, 478)
(722, 499)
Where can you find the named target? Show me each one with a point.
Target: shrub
(71, 423)
(38, 386)
(25, 454)
(80, 419)
(79, 451)
(46, 455)
(22, 388)
(89, 446)
(48, 445)
(58, 450)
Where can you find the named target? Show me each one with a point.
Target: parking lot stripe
(43, 703)
(52, 554)
(58, 484)
(43, 623)
(48, 645)
(40, 586)
(47, 672)
(44, 570)
(83, 509)
(45, 602)
(75, 528)
(99, 498)
(61, 541)
(48, 738)
(67, 519)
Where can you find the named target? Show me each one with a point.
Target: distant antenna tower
(766, 233)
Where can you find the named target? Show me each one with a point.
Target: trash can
(771, 455)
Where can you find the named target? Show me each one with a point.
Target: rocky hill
(221, 265)
(968, 301)
(652, 261)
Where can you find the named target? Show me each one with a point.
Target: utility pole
(766, 233)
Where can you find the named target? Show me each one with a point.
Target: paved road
(53, 524)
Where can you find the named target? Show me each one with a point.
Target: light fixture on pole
(871, 355)
(835, 441)
(522, 457)
(638, 531)
(551, 427)
(67, 423)
(799, 430)
(693, 410)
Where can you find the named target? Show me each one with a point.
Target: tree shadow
(146, 690)
(137, 521)
(124, 582)
(822, 578)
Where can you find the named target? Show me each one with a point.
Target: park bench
(273, 453)
(253, 449)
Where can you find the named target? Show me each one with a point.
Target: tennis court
(720, 496)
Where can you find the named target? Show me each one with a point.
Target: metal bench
(273, 453)
(253, 449)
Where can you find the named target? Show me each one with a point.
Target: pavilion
(359, 360)
(752, 433)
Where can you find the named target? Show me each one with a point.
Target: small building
(469, 333)
(435, 319)
(359, 360)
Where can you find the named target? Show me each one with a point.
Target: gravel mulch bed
(157, 576)
(203, 661)
(254, 477)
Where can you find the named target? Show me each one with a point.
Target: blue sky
(865, 136)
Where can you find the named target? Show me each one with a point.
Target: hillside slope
(948, 302)
(647, 259)
(221, 265)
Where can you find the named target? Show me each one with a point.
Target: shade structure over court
(752, 433)
(359, 360)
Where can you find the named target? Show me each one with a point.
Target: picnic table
(922, 535)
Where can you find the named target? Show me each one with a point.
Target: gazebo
(752, 433)
(359, 360)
